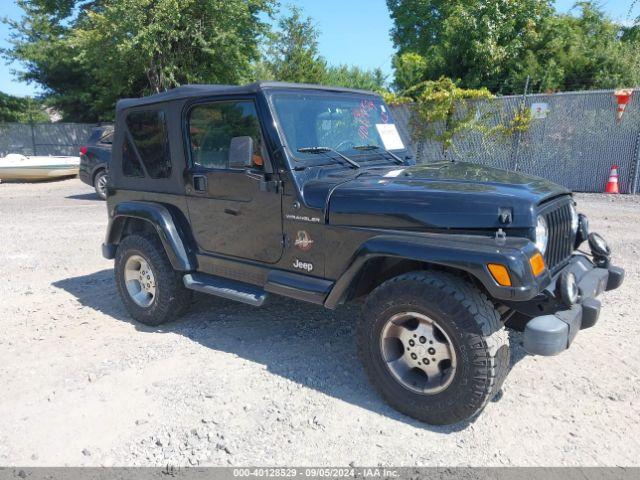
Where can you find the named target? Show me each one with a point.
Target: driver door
(231, 211)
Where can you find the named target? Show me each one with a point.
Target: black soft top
(191, 91)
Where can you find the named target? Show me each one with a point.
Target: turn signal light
(537, 264)
(500, 274)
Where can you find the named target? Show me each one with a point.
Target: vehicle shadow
(305, 343)
(84, 196)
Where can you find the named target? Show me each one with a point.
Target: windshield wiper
(317, 150)
(367, 148)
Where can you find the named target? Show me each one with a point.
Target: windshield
(341, 122)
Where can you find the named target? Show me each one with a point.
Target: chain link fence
(573, 139)
(43, 138)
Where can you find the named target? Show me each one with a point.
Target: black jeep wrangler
(310, 192)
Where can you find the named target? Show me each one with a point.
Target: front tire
(433, 346)
(152, 292)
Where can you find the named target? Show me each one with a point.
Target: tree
(292, 55)
(498, 44)
(23, 110)
(478, 42)
(591, 51)
(86, 55)
(411, 69)
(354, 77)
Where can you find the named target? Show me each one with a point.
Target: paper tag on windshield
(390, 136)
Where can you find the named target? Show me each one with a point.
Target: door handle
(200, 183)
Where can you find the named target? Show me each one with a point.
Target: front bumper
(553, 333)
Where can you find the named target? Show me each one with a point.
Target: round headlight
(575, 220)
(542, 234)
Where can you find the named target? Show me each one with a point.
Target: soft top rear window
(148, 130)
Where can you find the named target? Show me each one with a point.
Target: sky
(355, 32)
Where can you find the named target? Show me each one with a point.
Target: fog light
(600, 250)
(583, 230)
(568, 288)
(598, 245)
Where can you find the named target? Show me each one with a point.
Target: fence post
(633, 188)
(33, 138)
(33, 128)
(516, 151)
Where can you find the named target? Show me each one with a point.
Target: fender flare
(176, 242)
(466, 253)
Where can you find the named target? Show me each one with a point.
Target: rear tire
(100, 181)
(151, 290)
(470, 355)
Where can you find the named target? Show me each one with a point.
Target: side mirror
(240, 152)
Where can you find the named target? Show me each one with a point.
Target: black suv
(95, 157)
(310, 192)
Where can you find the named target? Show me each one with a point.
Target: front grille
(560, 246)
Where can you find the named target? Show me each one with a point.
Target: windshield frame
(298, 159)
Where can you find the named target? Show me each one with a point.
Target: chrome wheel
(418, 353)
(101, 184)
(140, 282)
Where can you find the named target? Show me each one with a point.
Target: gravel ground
(230, 385)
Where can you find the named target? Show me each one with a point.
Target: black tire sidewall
(468, 391)
(170, 298)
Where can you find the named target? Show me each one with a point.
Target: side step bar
(225, 288)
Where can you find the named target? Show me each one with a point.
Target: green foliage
(410, 68)
(22, 110)
(443, 110)
(292, 56)
(498, 44)
(88, 54)
(353, 77)
(293, 53)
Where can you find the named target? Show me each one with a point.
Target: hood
(434, 196)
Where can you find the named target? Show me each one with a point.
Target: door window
(213, 125)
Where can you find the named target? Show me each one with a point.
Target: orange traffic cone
(623, 97)
(612, 184)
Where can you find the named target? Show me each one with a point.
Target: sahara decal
(303, 241)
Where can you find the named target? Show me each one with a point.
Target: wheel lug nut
(412, 343)
(425, 361)
(423, 340)
(414, 356)
(432, 351)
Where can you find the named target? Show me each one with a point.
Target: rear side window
(130, 164)
(148, 131)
